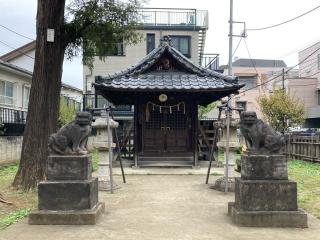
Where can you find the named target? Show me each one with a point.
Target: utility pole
(284, 91)
(283, 80)
(229, 98)
(230, 37)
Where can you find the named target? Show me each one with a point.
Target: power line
(21, 35)
(235, 50)
(5, 44)
(253, 63)
(311, 84)
(287, 21)
(279, 75)
(311, 75)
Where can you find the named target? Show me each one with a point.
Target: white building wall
(19, 82)
(24, 61)
(72, 94)
(133, 54)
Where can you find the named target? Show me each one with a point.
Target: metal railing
(177, 17)
(97, 101)
(210, 61)
(8, 115)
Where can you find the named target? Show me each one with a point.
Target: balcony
(209, 61)
(91, 101)
(173, 18)
(12, 121)
(8, 115)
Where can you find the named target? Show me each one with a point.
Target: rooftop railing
(174, 17)
(210, 61)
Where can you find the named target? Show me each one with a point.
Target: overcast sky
(282, 42)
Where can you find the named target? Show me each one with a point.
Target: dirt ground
(161, 207)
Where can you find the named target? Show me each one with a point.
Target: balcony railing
(96, 101)
(210, 61)
(8, 115)
(173, 17)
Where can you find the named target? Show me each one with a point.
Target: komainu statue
(72, 138)
(258, 135)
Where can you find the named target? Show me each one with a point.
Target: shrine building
(166, 89)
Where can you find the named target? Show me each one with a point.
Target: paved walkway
(164, 207)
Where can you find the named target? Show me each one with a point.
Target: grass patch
(216, 174)
(307, 176)
(22, 201)
(95, 159)
(13, 217)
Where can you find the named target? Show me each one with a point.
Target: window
(318, 61)
(241, 104)
(150, 42)
(26, 96)
(182, 44)
(117, 49)
(6, 92)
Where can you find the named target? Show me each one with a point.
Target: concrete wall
(309, 68)
(10, 149)
(304, 89)
(133, 54)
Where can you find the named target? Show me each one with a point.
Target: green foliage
(281, 110)
(95, 27)
(202, 111)
(95, 159)
(13, 217)
(1, 128)
(66, 113)
(216, 174)
(8, 169)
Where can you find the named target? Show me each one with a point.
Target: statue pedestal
(70, 194)
(264, 197)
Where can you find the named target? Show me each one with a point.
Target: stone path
(165, 207)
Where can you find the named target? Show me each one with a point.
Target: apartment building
(186, 28)
(253, 73)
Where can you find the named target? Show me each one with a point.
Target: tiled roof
(141, 77)
(245, 62)
(166, 82)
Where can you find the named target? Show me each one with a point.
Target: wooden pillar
(194, 117)
(135, 132)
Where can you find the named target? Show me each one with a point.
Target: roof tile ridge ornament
(165, 40)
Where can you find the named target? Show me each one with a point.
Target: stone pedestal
(102, 144)
(70, 194)
(264, 197)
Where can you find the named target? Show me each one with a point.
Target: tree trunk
(44, 95)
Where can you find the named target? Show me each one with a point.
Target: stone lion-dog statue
(259, 135)
(71, 139)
